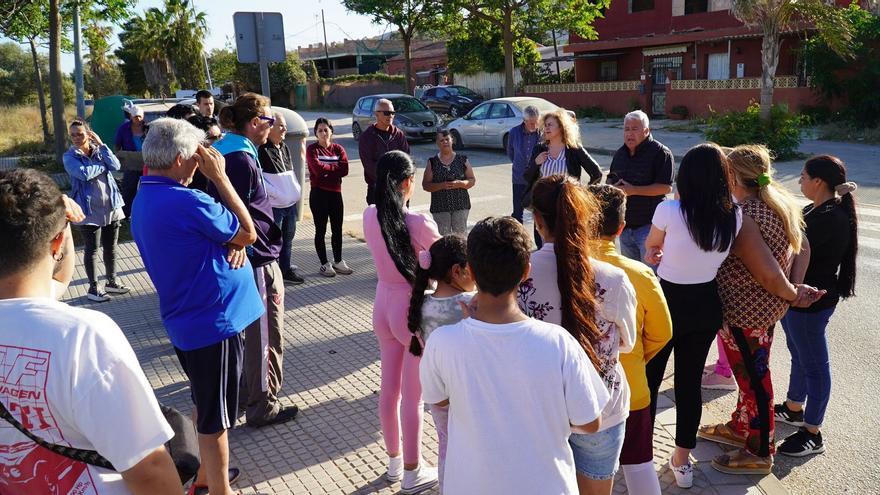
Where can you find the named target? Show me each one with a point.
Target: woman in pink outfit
(394, 236)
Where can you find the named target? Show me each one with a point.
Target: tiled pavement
(331, 371)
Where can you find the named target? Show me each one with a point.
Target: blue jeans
(632, 242)
(596, 455)
(810, 367)
(285, 219)
(519, 190)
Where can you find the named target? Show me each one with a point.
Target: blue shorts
(597, 455)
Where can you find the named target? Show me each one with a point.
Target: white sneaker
(418, 480)
(327, 270)
(395, 469)
(684, 474)
(342, 268)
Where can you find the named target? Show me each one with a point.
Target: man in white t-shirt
(67, 375)
(516, 387)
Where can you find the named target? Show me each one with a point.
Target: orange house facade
(660, 55)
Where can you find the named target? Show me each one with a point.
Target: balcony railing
(741, 83)
(586, 87)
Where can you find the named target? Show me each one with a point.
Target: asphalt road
(851, 430)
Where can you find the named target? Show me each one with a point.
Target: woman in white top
(598, 309)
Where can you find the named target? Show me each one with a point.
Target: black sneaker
(96, 294)
(290, 277)
(802, 443)
(284, 415)
(116, 287)
(785, 415)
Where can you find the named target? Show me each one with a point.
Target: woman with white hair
(127, 144)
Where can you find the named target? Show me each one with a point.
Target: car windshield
(460, 91)
(541, 104)
(405, 105)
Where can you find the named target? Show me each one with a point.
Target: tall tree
(517, 18)
(407, 16)
(102, 75)
(775, 17)
(55, 78)
(186, 41)
(29, 25)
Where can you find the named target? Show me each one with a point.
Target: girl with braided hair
(394, 236)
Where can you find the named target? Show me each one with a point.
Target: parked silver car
(488, 123)
(413, 118)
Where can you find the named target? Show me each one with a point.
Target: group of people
(562, 349)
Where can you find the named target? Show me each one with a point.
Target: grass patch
(846, 132)
(21, 131)
(692, 125)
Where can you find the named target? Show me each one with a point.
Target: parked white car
(488, 123)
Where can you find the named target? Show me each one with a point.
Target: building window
(640, 5)
(695, 6)
(608, 70)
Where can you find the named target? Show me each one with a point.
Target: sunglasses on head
(387, 113)
(270, 120)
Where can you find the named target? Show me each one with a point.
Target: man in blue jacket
(521, 140)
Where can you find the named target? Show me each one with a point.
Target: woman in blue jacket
(90, 165)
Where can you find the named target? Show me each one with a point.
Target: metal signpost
(259, 39)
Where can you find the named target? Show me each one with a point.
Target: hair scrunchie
(846, 188)
(425, 259)
(763, 180)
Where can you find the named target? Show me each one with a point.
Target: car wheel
(504, 142)
(454, 112)
(355, 130)
(456, 140)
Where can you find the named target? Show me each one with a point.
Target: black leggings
(696, 319)
(327, 205)
(109, 235)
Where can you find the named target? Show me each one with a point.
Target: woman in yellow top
(653, 331)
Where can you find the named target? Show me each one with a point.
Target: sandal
(742, 462)
(721, 433)
(194, 489)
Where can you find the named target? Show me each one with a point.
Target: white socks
(641, 478)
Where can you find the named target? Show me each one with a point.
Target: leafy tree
(479, 48)
(857, 79)
(186, 41)
(516, 19)
(407, 16)
(102, 73)
(283, 76)
(776, 16)
(223, 63)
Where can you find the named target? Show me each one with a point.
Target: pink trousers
(400, 397)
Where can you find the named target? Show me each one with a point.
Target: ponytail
(569, 213)
(832, 171)
(434, 264)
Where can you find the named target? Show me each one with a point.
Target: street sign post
(259, 38)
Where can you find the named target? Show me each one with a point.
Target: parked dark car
(453, 100)
(415, 119)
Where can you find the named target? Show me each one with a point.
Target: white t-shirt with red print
(70, 377)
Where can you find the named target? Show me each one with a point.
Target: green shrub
(816, 114)
(681, 110)
(43, 163)
(593, 112)
(782, 133)
(378, 76)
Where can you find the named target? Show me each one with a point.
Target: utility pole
(326, 51)
(78, 63)
(556, 56)
(207, 70)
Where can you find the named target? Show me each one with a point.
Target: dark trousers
(108, 235)
(327, 205)
(519, 190)
(130, 181)
(371, 194)
(696, 319)
(285, 219)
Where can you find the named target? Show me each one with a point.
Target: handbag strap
(86, 456)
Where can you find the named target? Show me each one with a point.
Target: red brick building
(660, 54)
(428, 60)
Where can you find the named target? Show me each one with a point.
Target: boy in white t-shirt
(516, 387)
(67, 375)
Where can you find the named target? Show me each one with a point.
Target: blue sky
(302, 21)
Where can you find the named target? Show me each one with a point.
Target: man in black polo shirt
(642, 168)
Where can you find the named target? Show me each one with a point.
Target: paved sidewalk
(331, 371)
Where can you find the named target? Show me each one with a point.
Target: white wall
(486, 84)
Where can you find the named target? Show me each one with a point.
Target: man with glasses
(378, 139)
(284, 192)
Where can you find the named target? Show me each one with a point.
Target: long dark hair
(393, 168)
(832, 171)
(446, 253)
(570, 212)
(703, 184)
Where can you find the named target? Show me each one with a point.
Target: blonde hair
(571, 133)
(749, 161)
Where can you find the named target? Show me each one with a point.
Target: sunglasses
(270, 120)
(387, 113)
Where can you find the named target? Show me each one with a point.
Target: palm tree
(147, 38)
(776, 16)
